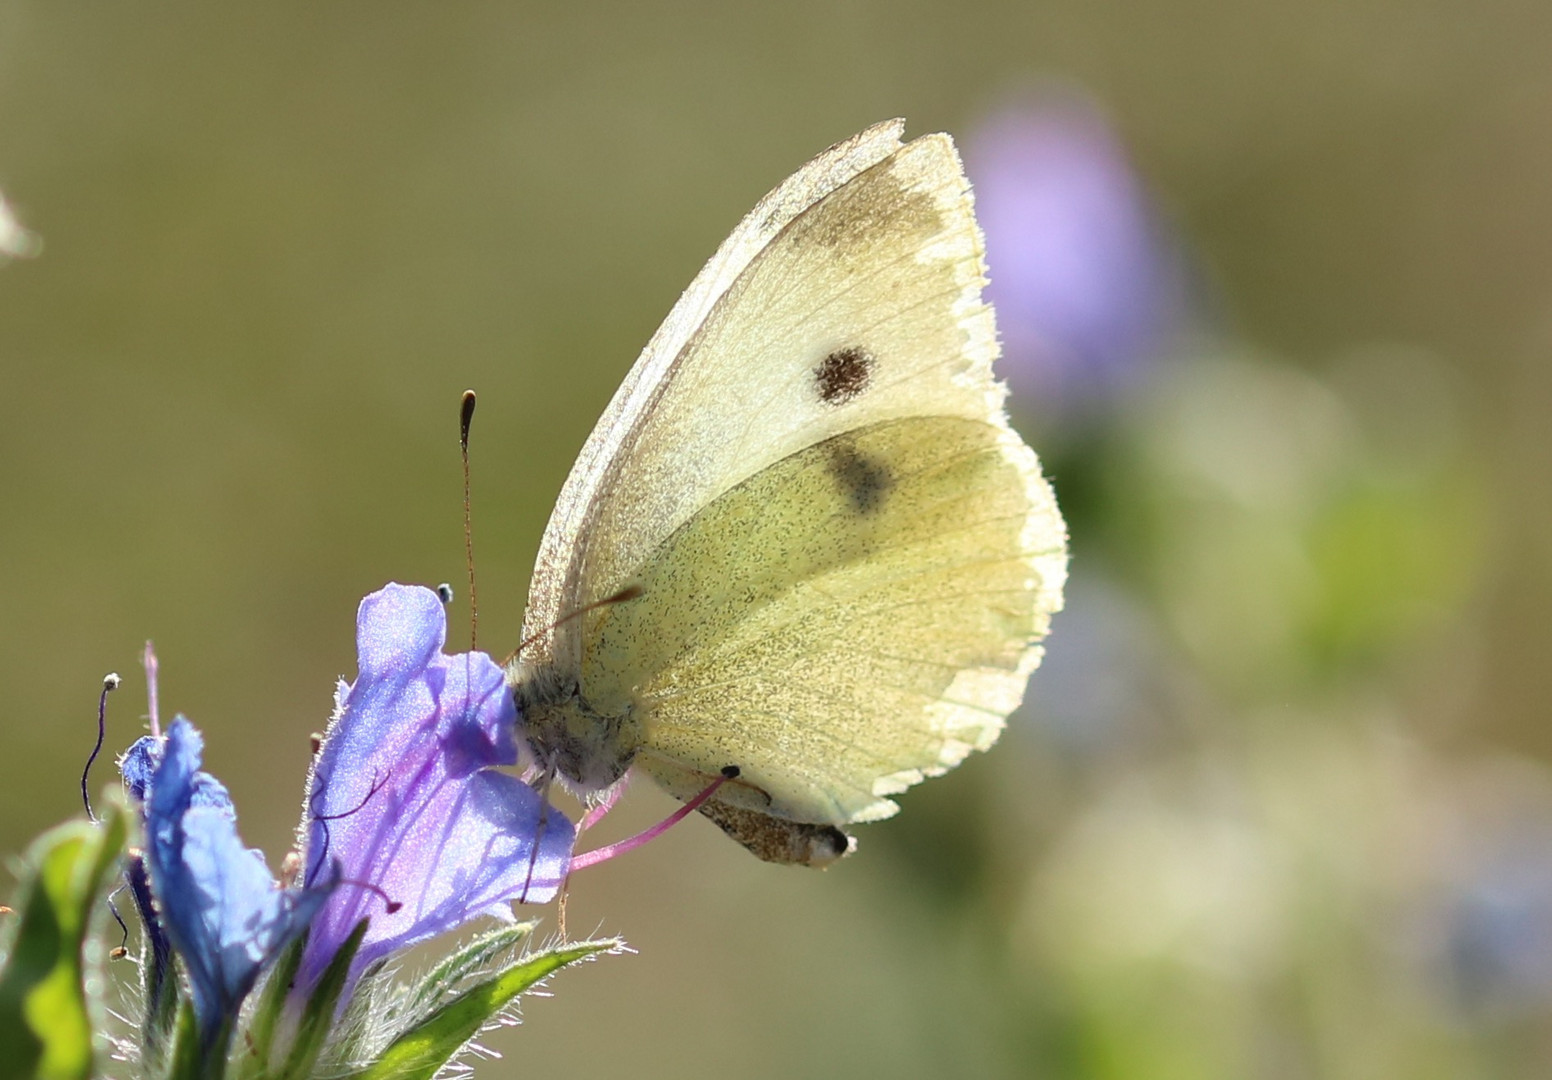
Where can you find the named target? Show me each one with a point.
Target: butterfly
(803, 539)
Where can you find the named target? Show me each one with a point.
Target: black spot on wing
(843, 374)
(863, 480)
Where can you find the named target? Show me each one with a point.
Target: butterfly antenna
(465, 419)
(630, 592)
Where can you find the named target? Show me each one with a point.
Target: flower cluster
(409, 831)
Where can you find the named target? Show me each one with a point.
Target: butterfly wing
(845, 558)
(592, 524)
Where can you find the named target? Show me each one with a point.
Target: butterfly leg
(595, 814)
(543, 788)
(609, 800)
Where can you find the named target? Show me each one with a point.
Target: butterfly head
(564, 734)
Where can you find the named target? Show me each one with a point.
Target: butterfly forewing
(592, 488)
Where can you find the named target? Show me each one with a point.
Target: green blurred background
(1279, 805)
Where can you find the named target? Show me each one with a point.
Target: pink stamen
(110, 682)
(610, 800)
(610, 851)
(148, 661)
(391, 905)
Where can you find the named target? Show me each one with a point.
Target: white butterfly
(832, 559)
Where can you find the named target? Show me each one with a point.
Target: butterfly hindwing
(842, 624)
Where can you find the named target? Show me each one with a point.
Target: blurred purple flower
(215, 899)
(1097, 681)
(1498, 926)
(404, 799)
(1085, 285)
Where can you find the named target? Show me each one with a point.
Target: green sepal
(45, 1018)
(446, 978)
(268, 1008)
(312, 1029)
(161, 990)
(420, 1052)
(162, 997)
(187, 1060)
(373, 1002)
(197, 1055)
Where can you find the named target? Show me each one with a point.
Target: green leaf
(45, 1019)
(312, 1031)
(421, 1051)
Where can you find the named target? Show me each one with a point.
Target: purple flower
(1497, 925)
(215, 899)
(405, 801)
(1085, 288)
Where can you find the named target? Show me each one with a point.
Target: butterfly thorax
(566, 735)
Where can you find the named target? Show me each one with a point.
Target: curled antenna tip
(731, 772)
(111, 681)
(465, 417)
(315, 742)
(445, 593)
(118, 953)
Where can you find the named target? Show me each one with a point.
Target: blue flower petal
(138, 765)
(404, 799)
(224, 913)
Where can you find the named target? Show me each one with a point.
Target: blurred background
(1275, 286)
